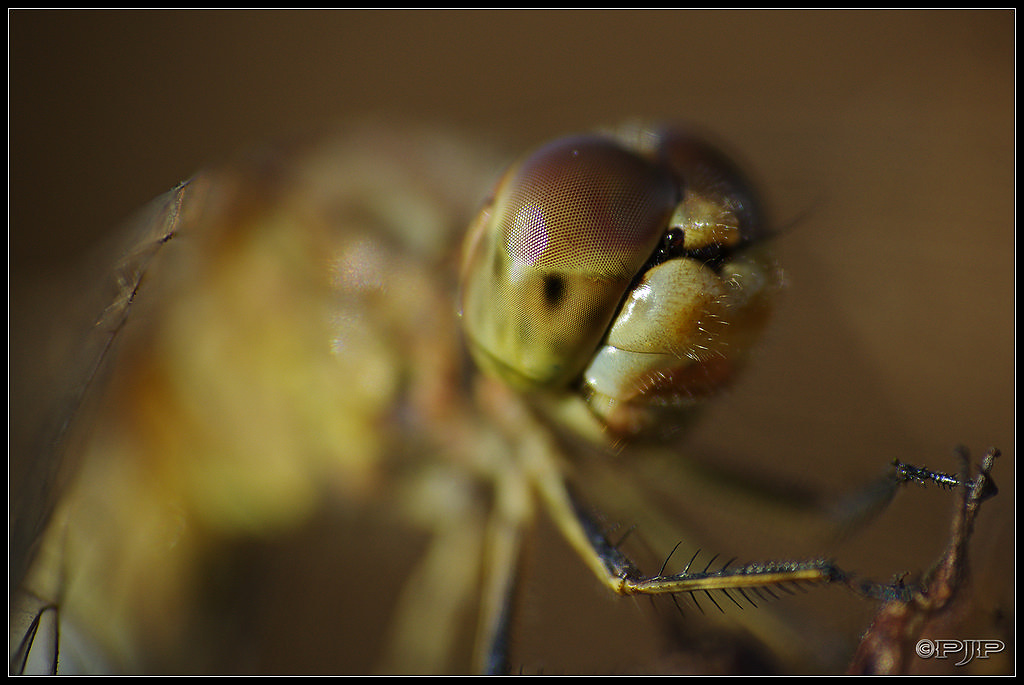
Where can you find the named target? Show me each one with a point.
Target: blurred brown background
(886, 138)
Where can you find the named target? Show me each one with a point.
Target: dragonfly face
(630, 266)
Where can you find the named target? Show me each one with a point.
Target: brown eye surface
(720, 204)
(552, 256)
(585, 206)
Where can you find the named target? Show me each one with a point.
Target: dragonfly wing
(272, 419)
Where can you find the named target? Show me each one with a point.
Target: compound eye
(720, 205)
(550, 259)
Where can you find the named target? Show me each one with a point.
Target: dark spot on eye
(554, 290)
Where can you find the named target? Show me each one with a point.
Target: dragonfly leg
(620, 574)
(502, 543)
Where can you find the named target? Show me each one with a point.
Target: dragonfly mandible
(281, 456)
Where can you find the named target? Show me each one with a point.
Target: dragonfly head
(625, 270)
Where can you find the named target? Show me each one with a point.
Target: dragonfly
(317, 421)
